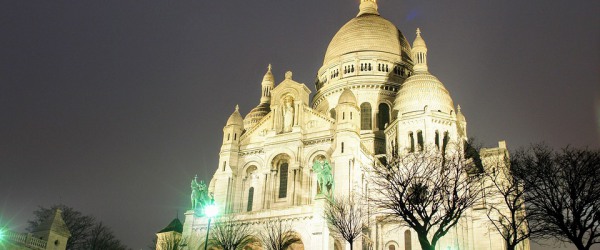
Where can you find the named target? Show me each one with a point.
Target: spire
(419, 53)
(267, 85)
(368, 7)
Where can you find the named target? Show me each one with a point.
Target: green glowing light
(211, 210)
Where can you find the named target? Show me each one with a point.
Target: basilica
(374, 95)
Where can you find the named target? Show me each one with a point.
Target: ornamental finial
(237, 108)
(269, 67)
(288, 75)
(368, 7)
(418, 32)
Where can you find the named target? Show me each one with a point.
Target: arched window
(411, 139)
(283, 179)
(446, 140)
(342, 147)
(250, 199)
(332, 113)
(384, 116)
(365, 116)
(437, 139)
(392, 247)
(407, 240)
(420, 140)
(224, 165)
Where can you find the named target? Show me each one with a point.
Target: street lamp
(210, 211)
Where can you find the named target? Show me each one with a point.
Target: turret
(233, 129)
(347, 143)
(228, 160)
(423, 97)
(267, 85)
(170, 236)
(347, 112)
(54, 230)
(264, 107)
(419, 54)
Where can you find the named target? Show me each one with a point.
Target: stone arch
(337, 244)
(254, 244)
(252, 160)
(298, 245)
(313, 154)
(392, 245)
(281, 151)
(291, 92)
(281, 163)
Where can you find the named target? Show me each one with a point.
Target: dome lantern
(268, 83)
(368, 7)
(419, 53)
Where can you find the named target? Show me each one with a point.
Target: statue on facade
(199, 195)
(288, 114)
(324, 176)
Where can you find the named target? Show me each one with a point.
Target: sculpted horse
(199, 194)
(324, 175)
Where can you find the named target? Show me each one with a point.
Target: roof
(54, 223)
(174, 226)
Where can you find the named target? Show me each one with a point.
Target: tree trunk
(425, 245)
(510, 247)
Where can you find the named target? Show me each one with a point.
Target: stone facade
(374, 95)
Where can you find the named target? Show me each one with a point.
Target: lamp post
(210, 211)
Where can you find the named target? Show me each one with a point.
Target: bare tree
(230, 234)
(277, 234)
(83, 228)
(171, 242)
(563, 191)
(345, 217)
(428, 190)
(506, 206)
(101, 238)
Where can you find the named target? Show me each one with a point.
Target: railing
(26, 239)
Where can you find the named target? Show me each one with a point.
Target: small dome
(367, 32)
(347, 97)
(235, 118)
(419, 42)
(420, 91)
(269, 76)
(255, 115)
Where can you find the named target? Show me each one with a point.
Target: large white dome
(367, 32)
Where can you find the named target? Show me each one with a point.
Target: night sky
(111, 107)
